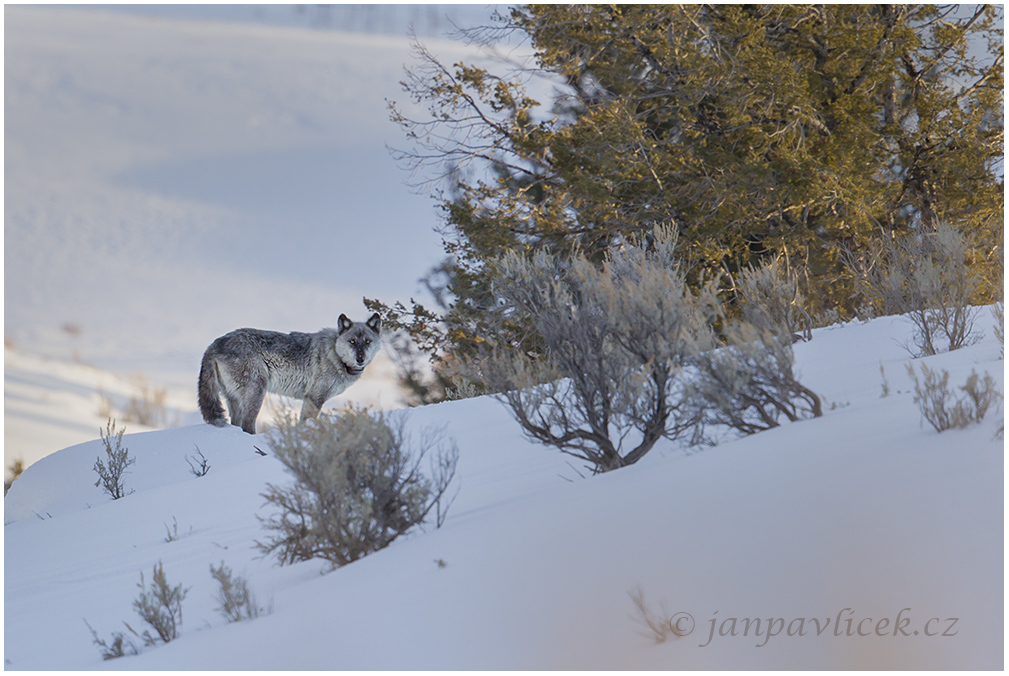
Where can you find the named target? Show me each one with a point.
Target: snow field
(863, 513)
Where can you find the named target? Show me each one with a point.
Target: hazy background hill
(174, 172)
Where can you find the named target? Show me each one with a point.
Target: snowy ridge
(856, 517)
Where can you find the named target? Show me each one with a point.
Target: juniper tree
(759, 130)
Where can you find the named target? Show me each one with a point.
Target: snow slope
(861, 516)
(168, 180)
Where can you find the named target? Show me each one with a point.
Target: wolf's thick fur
(246, 364)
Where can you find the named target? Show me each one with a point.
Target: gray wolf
(247, 363)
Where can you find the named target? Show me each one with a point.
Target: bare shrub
(750, 383)
(235, 601)
(160, 607)
(105, 409)
(198, 465)
(615, 338)
(120, 646)
(147, 405)
(980, 395)
(110, 476)
(944, 410)
(926, 277)
(357, 485)
(655, 626)
(172, 534)
(14, 470)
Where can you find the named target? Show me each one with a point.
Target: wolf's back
(209, 390)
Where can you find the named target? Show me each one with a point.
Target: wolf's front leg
(310, 409)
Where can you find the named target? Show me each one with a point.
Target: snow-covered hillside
(838, 523)
(169, 179)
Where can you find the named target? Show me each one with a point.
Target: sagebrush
(159, 606)
(147, 405)
(925, 276)
(942, 408)
(235, 601)
(614, 339)
(118, 461)
(358, 485)
(750, 383)
(625, 353)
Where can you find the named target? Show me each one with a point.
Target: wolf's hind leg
(255, 393)
(235, 411)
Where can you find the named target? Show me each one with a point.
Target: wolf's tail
(209, 392)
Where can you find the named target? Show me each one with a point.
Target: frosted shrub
(235, 601)
(357, 486)
(121, 645)
(772, 300)
(926, 277)
(615, 338)
(944, 410)
(750, 384)
(110, 476)
(159, 606)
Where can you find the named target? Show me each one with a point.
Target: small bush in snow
(172, 534)
(120, 646)
(944, 410)
(110, 476)
(236, 602)
(657, 626)
(160, 607)
(14, 470)
(926, 277)
(357, 486)
(198, 465)
(147, 405)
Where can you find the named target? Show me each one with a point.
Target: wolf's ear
(375, 323)
(343, 323)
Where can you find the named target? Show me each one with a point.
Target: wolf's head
(357, 343)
